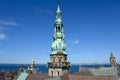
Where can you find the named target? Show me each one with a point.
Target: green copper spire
(58, 9)
(58, 15)
(58, 44)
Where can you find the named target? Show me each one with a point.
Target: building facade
(58, 64)
(113, 62)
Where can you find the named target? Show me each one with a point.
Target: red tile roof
(10, 75)
(83, 71)
(79, 77)
(37, 77)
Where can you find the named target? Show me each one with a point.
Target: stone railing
(58, 64)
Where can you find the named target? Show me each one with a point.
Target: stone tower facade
(113, 62)
(58, 64)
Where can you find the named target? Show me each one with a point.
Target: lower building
(92, 74)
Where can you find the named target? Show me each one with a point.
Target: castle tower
(32, 67)
(58, 64)
(113, 62)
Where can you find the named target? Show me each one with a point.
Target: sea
(42, 68)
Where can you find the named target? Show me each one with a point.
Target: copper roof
(59, 53)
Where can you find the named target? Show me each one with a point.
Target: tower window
(58, 29)
(52, 73)
(53, 60)
(65, 58)
(59, 60)
(58, 73)
(58, 16)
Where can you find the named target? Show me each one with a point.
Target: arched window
(53, 60)
(58, 29)
(51, 73)
(59, 60)
(58, 73)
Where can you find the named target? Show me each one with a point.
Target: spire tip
(58, 2)
(58, 9)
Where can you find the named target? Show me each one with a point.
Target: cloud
(2, 36)
(4, 24)
(7, 23)
(76, 42)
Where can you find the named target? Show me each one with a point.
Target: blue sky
(91, 27)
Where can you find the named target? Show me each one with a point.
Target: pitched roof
(84, 72)
(103, 72)
(93, 74)
(79, 77)
(22, 76)
(10, 75)
(54, 78)
(37, 77)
